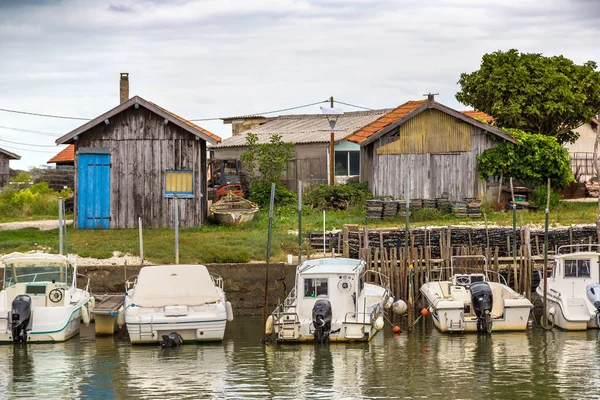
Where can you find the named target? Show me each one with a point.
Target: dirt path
(43, 225)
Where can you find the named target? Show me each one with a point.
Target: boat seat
(498, 305)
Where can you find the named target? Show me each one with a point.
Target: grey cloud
(121, 9)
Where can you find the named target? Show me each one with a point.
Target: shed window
(347, 163)
(577, 268)
(315, 287)
(179, 183)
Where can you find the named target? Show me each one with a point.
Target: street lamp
(332, 115)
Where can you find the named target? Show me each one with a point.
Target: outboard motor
(173, 339)
(20, 316)
(593, 295)
(321, 317)
(481, 301)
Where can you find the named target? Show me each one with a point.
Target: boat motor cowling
(20, 316)
(593, 294)
(321, 317)
(482, 300)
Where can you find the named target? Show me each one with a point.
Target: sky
(220, 58)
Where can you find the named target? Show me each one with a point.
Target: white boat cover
(174, 285)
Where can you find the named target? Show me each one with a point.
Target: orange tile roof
(397, 113)
(479, 114)
(185, 121)
(65, 155)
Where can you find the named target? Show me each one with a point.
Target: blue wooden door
(93, 191)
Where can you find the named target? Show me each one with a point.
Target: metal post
(407, 195)
(176, 212)
(271, 205)
(141, 241)
(545, 306)
(331, 151)
(60, 225)
(66, 239)
(514, 214)
(324, 247)
(299, 222)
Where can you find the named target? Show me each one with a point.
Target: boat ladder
(456, 326)
(289, 326)
(146, 331)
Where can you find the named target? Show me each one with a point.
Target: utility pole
(331, 152)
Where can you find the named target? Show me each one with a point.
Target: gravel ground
(43, 225)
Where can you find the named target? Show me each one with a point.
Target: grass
(213, 243)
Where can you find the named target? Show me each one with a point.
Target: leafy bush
(539, 197)
(339, 197)
(260, 193)
(38, 199)
(425, 214)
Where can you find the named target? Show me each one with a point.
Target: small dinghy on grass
(233, 210)
(169, 303)
(40, 301)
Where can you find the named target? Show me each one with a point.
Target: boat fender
(424, 312)
(121, 318)
(399, 307)
(269, 326)
(85, 315)
(91, 306)
(379, 323)
(552, 311)
(229, 311)
(389, 302)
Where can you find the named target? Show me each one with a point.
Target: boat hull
(233, 219)
(574, 315)
(192, 331)
(58, 330)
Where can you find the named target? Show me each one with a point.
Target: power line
(28, 144)
(31, 131)
(352, 105)
(35, 151)
(42, 115)
(269, 112)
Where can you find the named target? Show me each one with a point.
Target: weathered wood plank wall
(142, 148)
(431, 175)
(4, 170)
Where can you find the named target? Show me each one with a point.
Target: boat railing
(290, 299)
(376, 277)
(367, 317)
(130, 283)
(499, 277)
(217, 280)
(87, 284)
(578, 248)
(279, 313)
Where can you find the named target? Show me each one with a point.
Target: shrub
(38, 199)
(539, 197)
(260, 193)
(339, 197)
(425, 214)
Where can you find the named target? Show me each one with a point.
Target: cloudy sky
(205, 59)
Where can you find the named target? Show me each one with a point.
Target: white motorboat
(331, 300)
(181, 299)
(471, 302)
(573, 290)
(40, 301)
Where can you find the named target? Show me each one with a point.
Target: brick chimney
(124, 87)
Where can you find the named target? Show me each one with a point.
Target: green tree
(266, 161)
(532, 160)
(537, 94)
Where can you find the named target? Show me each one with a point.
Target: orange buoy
(424, 312)
(396, 329)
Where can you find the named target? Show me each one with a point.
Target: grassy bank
(212, 243)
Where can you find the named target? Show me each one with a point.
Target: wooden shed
(431, 147)
(5, 157)
(132, 161)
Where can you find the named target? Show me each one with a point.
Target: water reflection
(424, 363)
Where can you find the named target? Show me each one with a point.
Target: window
(347, 163)
(179, 183)
(577, 268)
(315, 287)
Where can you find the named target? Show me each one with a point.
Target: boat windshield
(36, 271)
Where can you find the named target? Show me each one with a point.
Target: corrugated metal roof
(10, 155)
(306, 128)
(65, 155)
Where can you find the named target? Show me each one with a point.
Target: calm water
(421, 364)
